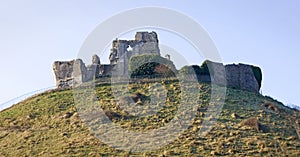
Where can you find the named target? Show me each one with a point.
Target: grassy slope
(49, 125)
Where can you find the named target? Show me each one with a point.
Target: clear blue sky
(35, 33)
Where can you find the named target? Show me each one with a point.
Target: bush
(147, 64)
(195, 69)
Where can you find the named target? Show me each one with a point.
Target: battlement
(146, 37)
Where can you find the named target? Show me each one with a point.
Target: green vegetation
(152, 65)
(195, 69)
(204, 68)
(249, 125)
(258, 74)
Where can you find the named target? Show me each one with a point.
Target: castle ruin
(75, 72)
(69, 73)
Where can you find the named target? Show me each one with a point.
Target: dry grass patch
(252, 123)
(271, 106)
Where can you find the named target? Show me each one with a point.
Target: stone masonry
(241, 76)
(122, 50)
(75, 72)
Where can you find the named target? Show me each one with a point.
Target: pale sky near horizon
(35, 33)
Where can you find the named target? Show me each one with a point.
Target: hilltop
(141, 105)
(250, 124)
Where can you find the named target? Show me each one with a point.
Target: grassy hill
(49, 124)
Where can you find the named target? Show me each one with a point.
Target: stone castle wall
(241, 76)
(238, 76)
(75, 72)
(63, 72)
(122, 50)
(144, 43)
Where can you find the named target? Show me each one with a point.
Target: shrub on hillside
(258, 74)
(149, 65)
(195, 69)
(188, 70)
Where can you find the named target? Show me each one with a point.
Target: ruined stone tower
(144, 42)
(122, 50)
(75, 72)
